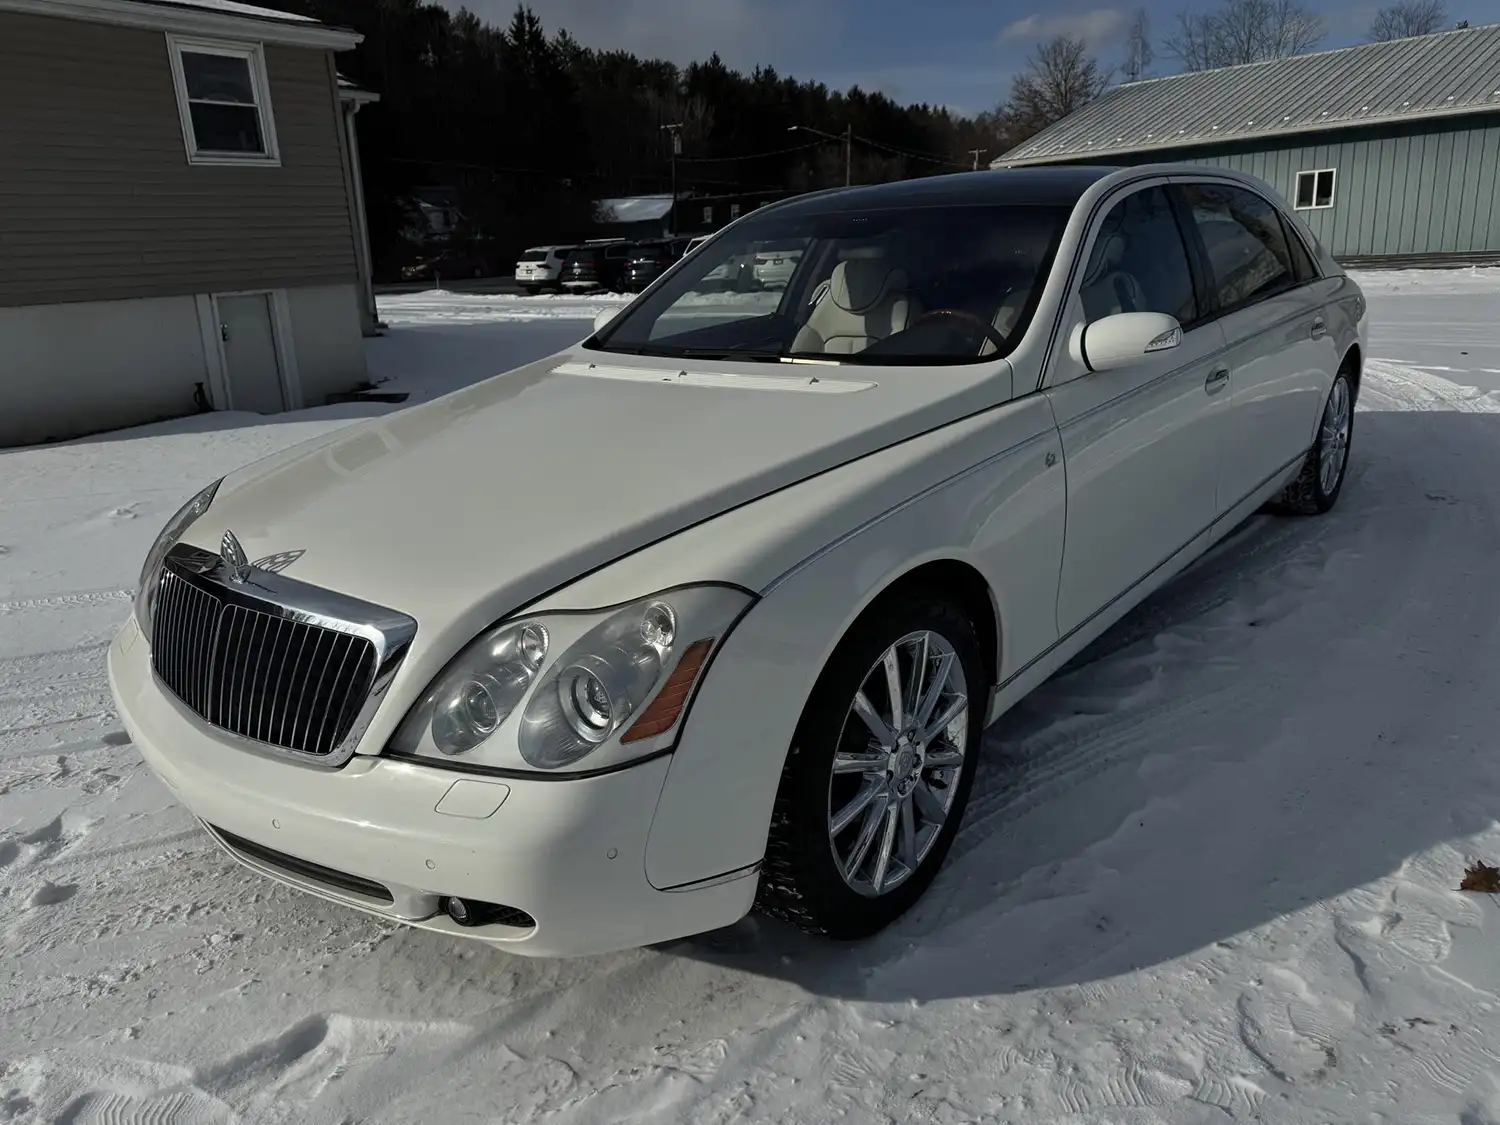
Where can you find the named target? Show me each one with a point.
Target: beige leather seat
(1108, 289)
(867, 301)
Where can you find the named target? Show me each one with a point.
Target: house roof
(234, 8)
(1430, 76)
(633, 209)
(228, 18)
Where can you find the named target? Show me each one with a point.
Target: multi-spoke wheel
(894, 775)
(878, 776)
(1318, 485)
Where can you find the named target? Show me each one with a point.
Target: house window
(224, 99)
(734, 210)
(1315, 189)
(708, 214)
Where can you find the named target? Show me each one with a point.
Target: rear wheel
(1318, 485)
(876, 781)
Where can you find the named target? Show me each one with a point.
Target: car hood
(463, 509)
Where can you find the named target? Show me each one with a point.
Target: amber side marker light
(667, 706)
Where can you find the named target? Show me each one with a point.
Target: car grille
(258, 673)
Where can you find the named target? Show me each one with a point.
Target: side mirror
(1123, 339)
(604, 316)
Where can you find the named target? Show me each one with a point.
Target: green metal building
(1390, 151)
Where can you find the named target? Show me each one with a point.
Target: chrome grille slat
(255, 669)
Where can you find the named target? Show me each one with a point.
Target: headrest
(1113, 252)
(861, 283)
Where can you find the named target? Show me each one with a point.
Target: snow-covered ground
(1208, 874)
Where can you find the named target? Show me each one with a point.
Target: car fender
(980, 492)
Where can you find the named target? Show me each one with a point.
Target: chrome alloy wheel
(1333, 448)
(898, 762)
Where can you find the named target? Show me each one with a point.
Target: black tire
(800, 881)
(1307, 495)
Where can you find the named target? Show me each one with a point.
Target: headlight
(187, 515)
(617, 691)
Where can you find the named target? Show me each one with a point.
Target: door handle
(1319, 328)
(1216, 380)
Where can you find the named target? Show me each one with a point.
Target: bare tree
(1138, 49)
(1407, 18)
(1062, 77)
(1243, 31)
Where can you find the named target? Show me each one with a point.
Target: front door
(252, 369)
(1141, 443)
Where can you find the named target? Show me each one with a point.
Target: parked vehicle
(541, 267)
(649, 260)
(678, 624)
(774, 265)
(449, 264)
(597, 265)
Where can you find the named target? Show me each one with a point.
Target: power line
(753, 155)
(930, 157)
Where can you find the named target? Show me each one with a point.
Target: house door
(251, 367)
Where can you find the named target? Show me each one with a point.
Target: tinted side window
(1303, 267)
(1247, 248)
(1139, 262)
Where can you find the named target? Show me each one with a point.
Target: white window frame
(1314, 173)
(255, 55)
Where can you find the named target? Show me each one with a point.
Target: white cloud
(744, 32)
(1096, 28)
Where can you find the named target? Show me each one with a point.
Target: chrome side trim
(715, 880)
(389, 631)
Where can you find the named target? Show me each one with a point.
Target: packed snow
(1209, 872)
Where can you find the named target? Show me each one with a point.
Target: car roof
(1061, 186)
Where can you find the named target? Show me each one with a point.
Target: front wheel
(879, 772)
(1318, 485)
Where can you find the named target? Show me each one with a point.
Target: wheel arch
(966, 586)
(1354, 363)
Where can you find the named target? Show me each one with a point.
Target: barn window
(223, 96)
(1315, 189)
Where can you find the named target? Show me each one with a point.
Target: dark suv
(597, 266)
(649, 260)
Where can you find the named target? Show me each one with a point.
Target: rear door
(1141, 443)
(1275, 329)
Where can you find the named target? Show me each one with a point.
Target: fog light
(459, 911)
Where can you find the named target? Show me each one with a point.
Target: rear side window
(1139, 262)
(1303, 266)
(1247, 247)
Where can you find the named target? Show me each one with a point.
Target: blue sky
(960, 53)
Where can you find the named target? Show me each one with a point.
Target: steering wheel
(991, 333)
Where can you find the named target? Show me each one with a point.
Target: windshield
(534, 256)
(924, 285)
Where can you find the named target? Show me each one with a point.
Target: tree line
(526, 128)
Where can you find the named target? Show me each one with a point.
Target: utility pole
(976, 153)
(676, 131)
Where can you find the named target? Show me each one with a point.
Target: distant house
(181, 220)
(1390, 151)
(650, 216)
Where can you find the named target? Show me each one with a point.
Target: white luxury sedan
(710, 611)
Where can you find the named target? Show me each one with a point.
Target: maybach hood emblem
(240, 568)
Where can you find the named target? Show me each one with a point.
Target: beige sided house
(179, 205)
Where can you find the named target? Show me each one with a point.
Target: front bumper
(569, 853)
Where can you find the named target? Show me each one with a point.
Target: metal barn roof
(1443, 75)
